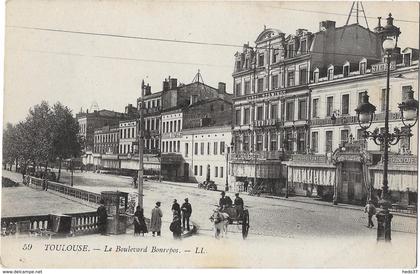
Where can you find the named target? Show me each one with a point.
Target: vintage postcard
(201, 134)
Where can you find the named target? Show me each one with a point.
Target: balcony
(259, 155)
(348, 119)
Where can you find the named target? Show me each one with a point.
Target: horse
(221, 221)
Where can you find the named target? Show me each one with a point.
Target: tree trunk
(16, 167)
(59, 170)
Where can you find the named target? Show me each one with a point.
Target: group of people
(140, 226)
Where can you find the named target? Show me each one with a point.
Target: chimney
(222, 87)
(326, 25)
(173, 83)
(165, 85)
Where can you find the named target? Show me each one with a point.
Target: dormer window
(407, 59)
(261, 59)
(346, 70)
(316, 76)
(330, 74)
(238, 65)
(246, 63)
(303, 49)
(290, 50)
(362, 68)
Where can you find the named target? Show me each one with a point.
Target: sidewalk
(299, 199)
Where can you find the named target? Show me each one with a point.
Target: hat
(223, 193)
(186, 199)
(236, 194)
(158, 203)
(174, 200)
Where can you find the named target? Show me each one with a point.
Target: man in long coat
(156, 220)
(102, 218)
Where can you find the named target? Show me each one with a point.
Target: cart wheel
(245, 224)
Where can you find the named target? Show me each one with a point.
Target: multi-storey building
(337, 140)
(106, 145)
(206, 141)
(271, 94)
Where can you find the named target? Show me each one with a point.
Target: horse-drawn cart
(233, 216)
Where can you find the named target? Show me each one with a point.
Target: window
(330, 74)
(328, 141)
(238, 65)
(330, 105)
(196, 149)
(246, 143)
(273, 142)
(179, 125)
(346, 71)
(246, 116)
(221, 172)
(238, 89)
(216, 171)
(170, 126)
(274, 81)
(407, 59)
(363, 68)
(170, 146)
(202, 148)
(195, 170)
(259, 142)
(125, 133)
(383, 95)
(238, 117)
(178, 146)
(261, 59)
(215, 148)
(345, 104)
(315, 104)
(303, 76)
(405, 90)
(301, 142)
(315, 142)
(316, 76)
(291, 50)
(201, 170)
(260, 84)
(303, 49)
(290, 111)
(259, 113)
(274, 111)
(302, 110)
(208, 148)
(344, 136)
(222, 147)
(275, 55)
(175, 125)
(247, 87)
(290, 78)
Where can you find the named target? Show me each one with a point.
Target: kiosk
(116, 206)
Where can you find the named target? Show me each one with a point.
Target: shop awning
(317, 175)
(398, 180)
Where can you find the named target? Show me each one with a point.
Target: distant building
(106, 145)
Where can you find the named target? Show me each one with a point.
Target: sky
(79, 69)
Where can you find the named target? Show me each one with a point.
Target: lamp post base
(384, 225)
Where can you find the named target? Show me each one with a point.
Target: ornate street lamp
(365, 113)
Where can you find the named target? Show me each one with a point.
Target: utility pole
(141, 148)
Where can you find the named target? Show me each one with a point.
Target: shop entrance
(352, 181)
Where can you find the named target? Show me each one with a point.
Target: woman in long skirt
(139, 222)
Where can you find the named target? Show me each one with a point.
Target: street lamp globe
(389, 44)
(409, 110)
(365, 112)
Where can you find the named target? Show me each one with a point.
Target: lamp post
(365, 113)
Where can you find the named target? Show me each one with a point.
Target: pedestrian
(246, 185)
(45, 184)
(176, 207)
(139, 222)
(175, 226)
(102, 218)
(370, 210)
(239, 204)
(186, 214)
(156, 220)
(225, 201)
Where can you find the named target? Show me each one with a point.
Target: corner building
(271, 103)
